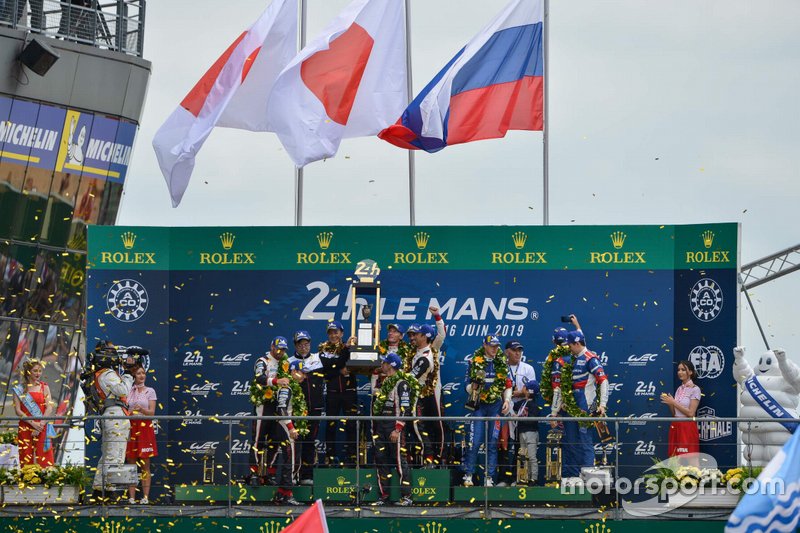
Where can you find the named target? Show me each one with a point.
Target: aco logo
(709, 361)
(324, 256)
(707, 255)
(618, 256)
(127, 300)
(227, 257)
(521, 256)
(706, 300)
(128, 257)
(422, 257)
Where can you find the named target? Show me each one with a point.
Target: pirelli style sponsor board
(428, 248)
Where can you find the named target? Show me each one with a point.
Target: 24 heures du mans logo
(421, 239)
(707, 255)
(129, 257)
(618, 257)
(324, 256)
(227, 257)
(521, 256)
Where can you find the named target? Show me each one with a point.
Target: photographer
(110, 392)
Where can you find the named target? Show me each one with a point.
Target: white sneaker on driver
(468, 480)
(489, 482)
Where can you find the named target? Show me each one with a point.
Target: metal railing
(364, 469)
(116, 25)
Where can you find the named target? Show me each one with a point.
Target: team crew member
(425, 367)
(389, 451)
(495, 397)
(266, 374)
(587, 373)
(307, 370)
(342, 393)
(520, 373)
(111, 393)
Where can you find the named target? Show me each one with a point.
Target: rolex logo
(519, 238)
(422, 481)
(421, 239)
(598, 528)
(324, 239)
(708, 238)
(128, 239)
(341, 480)
(618, 239)
(113, 527)
(433, 527)
(227, 239)
(273, 526)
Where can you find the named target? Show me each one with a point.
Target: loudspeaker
(38, 56)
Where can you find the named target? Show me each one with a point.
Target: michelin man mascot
(770, 391)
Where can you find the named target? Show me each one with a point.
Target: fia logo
(240, 446)
(202, 390)
(645, 448)
(706, 300)
(641, 360)
(127, 300)
(203, 448)
(193, 359)
(708, 361)
(240, 388)
(233, 360)
(644, 389)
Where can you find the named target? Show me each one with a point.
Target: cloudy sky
(660, 113)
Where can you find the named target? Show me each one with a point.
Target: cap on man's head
(398, 327)
(335, 325)
(413, 328)
(428, 331)
(575, 336)
(301, 335)
(560, 335)
(491, 340)
(514, 345)
(280, 343)
(393, 360)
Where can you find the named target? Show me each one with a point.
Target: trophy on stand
(364, 355)
(553, 455)
(475, 393)
(523, 473)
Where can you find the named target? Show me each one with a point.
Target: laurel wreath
(403, 350)
(567, 395)
(497, 388)
(433, 376)
(332, 347)
(261, 394)
(389, 384)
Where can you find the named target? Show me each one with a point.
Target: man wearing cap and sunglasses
(587, 375)
(342, 394)
(424, 366)
(307, 370)
(495, 398)
(266, 374)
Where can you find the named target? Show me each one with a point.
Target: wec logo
(450, 388)
(614, 387)
(203, 448)
(233, 360)
(193, 359)
(202, 390)
(641, 420)
(640, 360)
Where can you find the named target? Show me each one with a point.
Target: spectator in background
(683, 436)
(142, 442)
(32, 398)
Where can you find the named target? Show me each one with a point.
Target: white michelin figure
(774, 386)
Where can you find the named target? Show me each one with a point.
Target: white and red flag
(233, 93)
(312, 520)
(348, 82)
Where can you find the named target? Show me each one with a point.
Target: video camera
(107, 355)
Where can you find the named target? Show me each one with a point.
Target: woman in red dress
(142, 443)
(683, 436)
(32, 434)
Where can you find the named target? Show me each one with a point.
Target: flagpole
(412, 168)
(545, 136)
(298, 172)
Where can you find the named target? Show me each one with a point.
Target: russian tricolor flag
(494, 84)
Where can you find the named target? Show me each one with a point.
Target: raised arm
(441, 331)
(789, 370)
(741, 368)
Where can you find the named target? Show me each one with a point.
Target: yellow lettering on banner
(519, 258)
(128, 258)
(708, 257)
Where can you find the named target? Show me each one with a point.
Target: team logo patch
(127, 300)
(706, 300)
